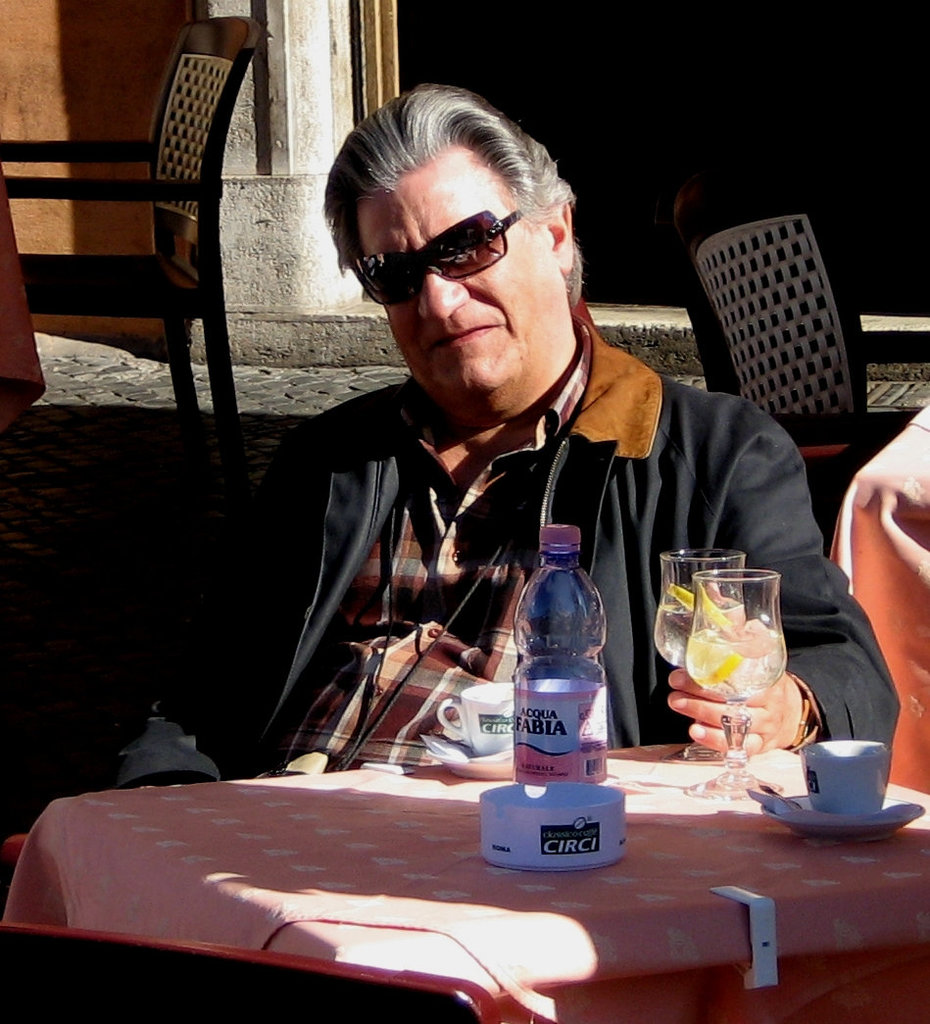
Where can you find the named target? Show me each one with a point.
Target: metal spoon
(793, 804)
(787, 801)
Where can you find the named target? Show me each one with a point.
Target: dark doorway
(632, 103)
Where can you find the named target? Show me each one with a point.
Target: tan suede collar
(622, 401)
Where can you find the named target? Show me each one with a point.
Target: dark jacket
(648, 465)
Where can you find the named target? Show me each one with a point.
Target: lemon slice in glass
(711, 663)
(684, 597)
(715, 614)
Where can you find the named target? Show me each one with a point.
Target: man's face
(488, 348)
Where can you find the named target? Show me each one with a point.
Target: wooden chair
(770, 325)
(182, 280)
(54, 970)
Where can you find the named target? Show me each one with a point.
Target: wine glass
(673, 616)
(736, 649)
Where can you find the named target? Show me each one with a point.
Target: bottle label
(560, 737)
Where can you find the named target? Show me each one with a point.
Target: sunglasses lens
(390, 277)
(468, 248)
(464, 249)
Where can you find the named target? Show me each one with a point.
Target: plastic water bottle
(560, 699)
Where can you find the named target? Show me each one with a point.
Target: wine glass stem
(736, 729)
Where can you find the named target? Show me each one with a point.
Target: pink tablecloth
(380, 870)
(21, 380)
(883, 544)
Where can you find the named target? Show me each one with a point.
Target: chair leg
(226, 411)
(185, 395)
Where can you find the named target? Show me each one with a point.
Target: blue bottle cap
(559, 538)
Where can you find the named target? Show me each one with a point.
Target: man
(393, 534)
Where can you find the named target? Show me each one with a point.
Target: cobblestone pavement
(105, 548)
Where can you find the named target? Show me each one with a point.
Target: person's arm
(209, 719)
(163, 755)
(268, 581)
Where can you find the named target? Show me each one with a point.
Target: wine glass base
(730, 786)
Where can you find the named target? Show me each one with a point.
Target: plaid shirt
(430, 611)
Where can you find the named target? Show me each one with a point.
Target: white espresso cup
(846, 776)
(481, 717)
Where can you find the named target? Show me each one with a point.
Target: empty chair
(770, 325)
(182, 280)
(767, 285)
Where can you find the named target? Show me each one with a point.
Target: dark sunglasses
(467, 248)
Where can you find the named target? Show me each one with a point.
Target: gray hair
(415, 128)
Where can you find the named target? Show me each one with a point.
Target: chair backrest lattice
(768, 286)
(195, 93)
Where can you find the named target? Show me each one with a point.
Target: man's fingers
(775, 711)
(716, 738)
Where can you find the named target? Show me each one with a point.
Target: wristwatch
(809, 725)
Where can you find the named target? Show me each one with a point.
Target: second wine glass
(676, 607)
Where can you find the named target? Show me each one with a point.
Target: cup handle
(452, 728)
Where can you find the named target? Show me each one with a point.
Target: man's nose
(440, 296)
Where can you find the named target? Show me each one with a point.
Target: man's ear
(563, 237)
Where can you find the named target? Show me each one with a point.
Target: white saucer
(460, 760)
(857, 827)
